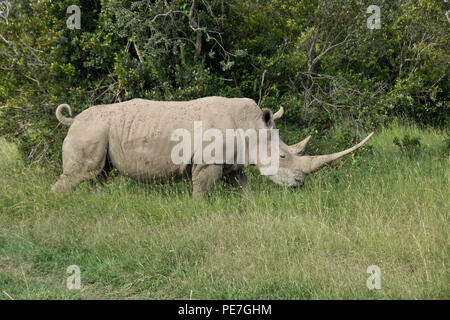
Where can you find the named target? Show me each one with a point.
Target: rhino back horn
(299, 148)
(278, 114)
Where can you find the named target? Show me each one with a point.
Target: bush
(409, 145)
(315, 58)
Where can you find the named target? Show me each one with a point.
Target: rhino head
(294, 166)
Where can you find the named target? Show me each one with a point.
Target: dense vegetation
(316, 58)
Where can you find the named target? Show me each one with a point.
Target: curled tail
(64, 120)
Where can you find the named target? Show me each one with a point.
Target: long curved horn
(299, 148)
(278, 114)
(310, 164)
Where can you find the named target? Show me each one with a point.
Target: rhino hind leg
(67, 183)
(203, 178)
(84, 156)
(105, 174)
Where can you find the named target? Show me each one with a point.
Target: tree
(317, 58)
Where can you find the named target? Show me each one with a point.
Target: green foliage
(315, 58)
(409, 145)
(447, 145)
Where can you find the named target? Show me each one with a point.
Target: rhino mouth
(296, 184)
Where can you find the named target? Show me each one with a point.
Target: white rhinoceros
(137, 137)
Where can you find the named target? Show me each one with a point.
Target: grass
(380, 207)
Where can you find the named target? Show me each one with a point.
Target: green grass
(381, 206)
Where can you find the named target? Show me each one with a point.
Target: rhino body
(136, 137)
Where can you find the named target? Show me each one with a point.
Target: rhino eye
(282, 156)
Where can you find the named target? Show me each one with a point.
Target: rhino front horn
(314, 163)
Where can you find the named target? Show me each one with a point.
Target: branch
(141, 58)
(4, 10)
(260, 88)
(194, 26)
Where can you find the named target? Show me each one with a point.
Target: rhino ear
(267, 117)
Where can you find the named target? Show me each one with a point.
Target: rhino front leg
(203, 178)
(238, 180)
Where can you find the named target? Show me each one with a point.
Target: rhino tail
(64, 120)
